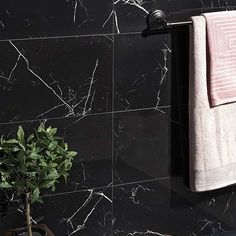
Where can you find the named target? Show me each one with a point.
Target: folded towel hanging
(221, 43)
(212, 131)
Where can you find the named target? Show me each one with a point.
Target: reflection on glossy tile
(179, 68)
(91, 137)
(179, 142)
(141, 145)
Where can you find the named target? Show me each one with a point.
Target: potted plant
(33, 163)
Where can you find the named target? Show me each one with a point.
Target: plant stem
(28, 218)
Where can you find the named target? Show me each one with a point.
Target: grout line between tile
(141, 181)
(109, 186)
(94, 114)
(71, 36)
(104, 187)
(113, 116)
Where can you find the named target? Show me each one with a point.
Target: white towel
(212, 131)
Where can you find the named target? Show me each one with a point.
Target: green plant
(31, 164)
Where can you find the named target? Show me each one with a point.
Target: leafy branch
(31, 164)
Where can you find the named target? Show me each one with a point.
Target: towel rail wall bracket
(157, 24)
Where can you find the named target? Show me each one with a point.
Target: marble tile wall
(120, 101)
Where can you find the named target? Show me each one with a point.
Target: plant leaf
(47, 184)
(22, 146)
(49, 129)
(72, 154)
(66, 146)
(21, 135)
(30, 138)
(11, 141)
(53, 175)
(35, 195)
(35, 156)
(53, 145)
(5, 184)
(53, 131)
(41, 127)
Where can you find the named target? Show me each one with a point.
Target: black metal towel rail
(157, 23)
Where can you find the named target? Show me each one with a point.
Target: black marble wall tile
(91, 137)
(141, 72)
(81, 213)
(141, 148)
(130, 15)
(55, 77)
(26, 18)
(167, 207)
(179, 68)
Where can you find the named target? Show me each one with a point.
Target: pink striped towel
(221, 37)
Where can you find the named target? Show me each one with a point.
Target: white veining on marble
(206, 222)
(73, 225)
(228, 202)
(77, 5)
(70, 108)
(164, 72)
(9, 77)
(90, 95)
(116, 22)
(135, 191)
(211, 224)
(75, 10)
(74, 104)
(212, 202)
(135, 3)
(110, 17)
(107, 19)
(2, 24)
(136, 233)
